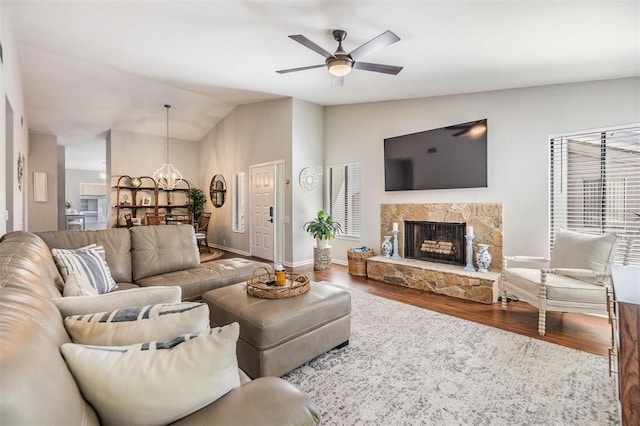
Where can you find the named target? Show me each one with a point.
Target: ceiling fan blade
(310, 67)
(311, 45)
(387, 69)
(337, 81)
(383, 40)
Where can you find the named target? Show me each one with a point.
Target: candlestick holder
(395, 256)
(469, 266)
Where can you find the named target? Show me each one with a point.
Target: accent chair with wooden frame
(201, 229)
(575, 279)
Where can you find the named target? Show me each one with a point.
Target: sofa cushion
(160, 249)
(78, 285)
(136, 324)
(116, 243)
(88, 262)
(583, 251)
(159, 382)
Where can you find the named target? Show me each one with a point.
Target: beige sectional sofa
(145, 256)
(37, 387)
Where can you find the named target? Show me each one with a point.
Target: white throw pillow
(159, 382)
(127, 326)
(77, 305)
(89, 262)
(78, 285)
(583, 251)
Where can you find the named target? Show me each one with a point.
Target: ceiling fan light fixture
(340, 66)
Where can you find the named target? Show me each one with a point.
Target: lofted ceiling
(91, 66)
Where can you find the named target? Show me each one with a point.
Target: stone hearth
(451, 280)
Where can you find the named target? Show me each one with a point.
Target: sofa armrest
(78, 305)
(263, 401)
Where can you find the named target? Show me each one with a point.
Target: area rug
(206, 256)
(407, 366)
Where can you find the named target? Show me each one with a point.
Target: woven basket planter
(357, 262)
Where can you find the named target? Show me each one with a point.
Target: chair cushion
(136, 324)
(559, 287)
(583, 251)
(156, 383)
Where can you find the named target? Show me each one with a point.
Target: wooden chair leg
(542, 321)
(206, 243)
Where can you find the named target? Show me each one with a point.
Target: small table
(74, 221)
(279, 335)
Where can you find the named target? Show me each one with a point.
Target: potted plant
(322, 228)
(67, 205)
(197, 200)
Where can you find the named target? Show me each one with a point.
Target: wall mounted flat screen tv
(450, 157)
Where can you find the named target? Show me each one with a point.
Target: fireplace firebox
(441, 242)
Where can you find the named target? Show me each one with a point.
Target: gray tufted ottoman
(279, 335)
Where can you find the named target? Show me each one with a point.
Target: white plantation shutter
(343, 197)
(595, 186)
(237, 202)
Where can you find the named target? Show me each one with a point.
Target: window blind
(595, 186)
(343, 197)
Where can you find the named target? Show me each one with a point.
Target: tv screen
(450, 157)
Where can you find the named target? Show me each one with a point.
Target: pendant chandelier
(167, 176)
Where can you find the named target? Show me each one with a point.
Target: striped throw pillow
(156, 383)
(127, 326)
(89, 262)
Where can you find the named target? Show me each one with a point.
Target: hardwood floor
(577, 331)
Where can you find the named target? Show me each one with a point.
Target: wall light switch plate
(287, 219)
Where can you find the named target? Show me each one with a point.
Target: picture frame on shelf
(137, 221)
(146, 201)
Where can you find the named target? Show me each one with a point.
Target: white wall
(520, 122)
(11, 91)
(307, 151)
(135, 154)
(249, 135)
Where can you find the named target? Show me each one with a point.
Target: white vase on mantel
(322, 243)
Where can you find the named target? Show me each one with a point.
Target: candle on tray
(395, 226)
(470, 230)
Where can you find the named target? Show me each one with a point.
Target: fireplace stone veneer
(440, 278)
(451, 280)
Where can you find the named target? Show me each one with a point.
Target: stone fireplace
(433, 253)
(441, 242)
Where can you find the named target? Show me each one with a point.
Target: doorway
(267, 206)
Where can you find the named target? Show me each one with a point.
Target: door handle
(271, 214)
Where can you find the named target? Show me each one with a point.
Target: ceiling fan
(472, 128)
(341, 63)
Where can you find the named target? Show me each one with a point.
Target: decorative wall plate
(308, 179)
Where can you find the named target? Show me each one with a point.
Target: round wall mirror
(218, 190)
